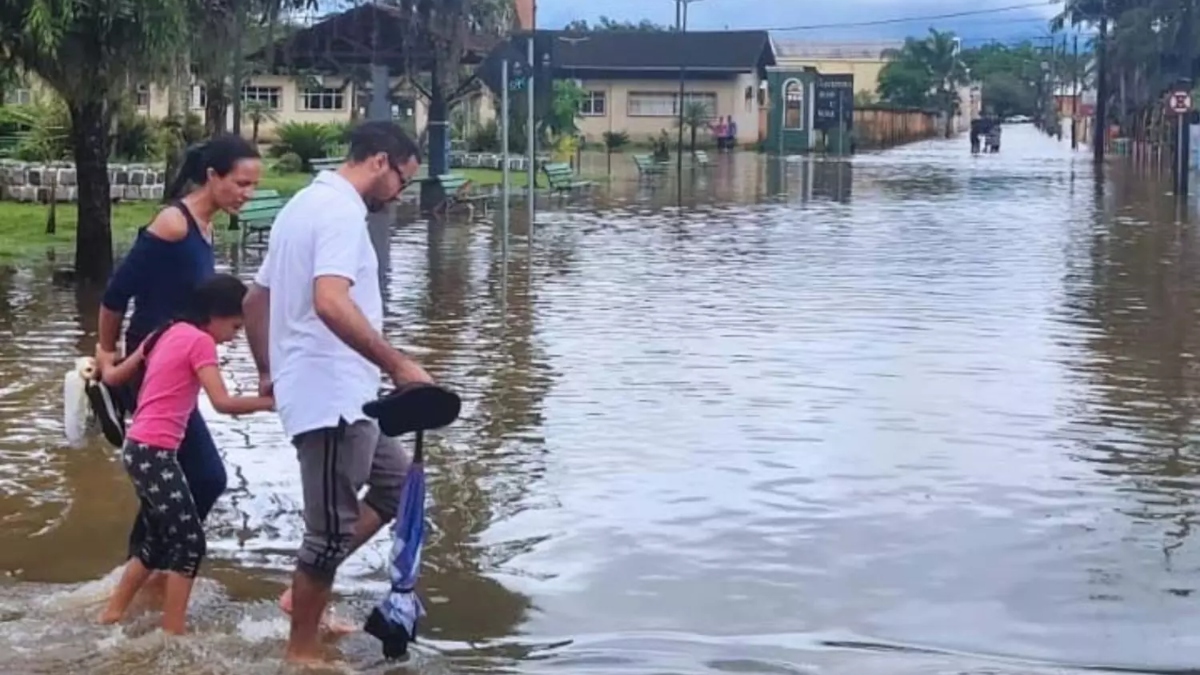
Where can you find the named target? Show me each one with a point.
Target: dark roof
(730, 51)
(369, 33)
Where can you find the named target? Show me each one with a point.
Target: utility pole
(680, 27)
(1100, 129)
(1074, 91)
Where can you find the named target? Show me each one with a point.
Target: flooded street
(921, 412)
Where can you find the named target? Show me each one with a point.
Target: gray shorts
(335, 463)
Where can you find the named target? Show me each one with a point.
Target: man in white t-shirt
(314, 320)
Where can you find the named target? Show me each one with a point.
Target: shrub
(136, 138)
(615, 140)
(307, 140)
(485, 138)
(289, 162)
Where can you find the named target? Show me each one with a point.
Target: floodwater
(921, 412)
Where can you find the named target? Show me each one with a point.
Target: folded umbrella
(414, 408)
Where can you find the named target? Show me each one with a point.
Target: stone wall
(32, 182)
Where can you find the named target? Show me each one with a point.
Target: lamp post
(681, 8)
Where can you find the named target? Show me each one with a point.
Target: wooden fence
(887, 126)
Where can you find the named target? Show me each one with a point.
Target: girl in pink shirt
(180, 359)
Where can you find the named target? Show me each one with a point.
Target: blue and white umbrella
(395, 620)
(412, 408)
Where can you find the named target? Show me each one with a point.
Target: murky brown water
(926, 413)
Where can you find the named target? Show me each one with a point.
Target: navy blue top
(159, 276)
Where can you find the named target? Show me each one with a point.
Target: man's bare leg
(368, 524)
(310, 599)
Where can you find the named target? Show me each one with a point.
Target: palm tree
(258, 112)
(696, 116)
(926, 72)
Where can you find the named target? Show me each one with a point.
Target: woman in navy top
(169, 257)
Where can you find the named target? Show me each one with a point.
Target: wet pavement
(920, 412)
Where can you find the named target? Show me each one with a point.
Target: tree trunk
(254, 129)
(93, 238)
(217, 106)
(693, 139)
(436, 127)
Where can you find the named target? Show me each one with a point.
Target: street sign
(1180, 102)
(835, 101)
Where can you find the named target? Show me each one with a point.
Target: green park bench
(258, 215)
(330, 163)
(562, 179)
(648, 167)
(457, 189)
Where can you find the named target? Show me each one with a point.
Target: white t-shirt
(318, 378)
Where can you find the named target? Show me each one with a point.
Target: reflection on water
(918, 411)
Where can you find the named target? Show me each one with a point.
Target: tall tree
(1143, 49)
(925, 72)
(606, 24)
(439, 35)
(90, 52)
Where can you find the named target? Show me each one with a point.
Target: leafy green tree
(925, 72)
(88, 52)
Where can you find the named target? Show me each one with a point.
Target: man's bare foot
(332, 624)
(304, 659)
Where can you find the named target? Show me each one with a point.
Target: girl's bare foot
(330, 623)
(132, 578)
(109, 616)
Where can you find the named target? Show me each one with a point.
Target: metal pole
(1100, 119)
(1075, 93)
(841, 128)
(530, 136)
(1181, 158)
(505, 189)
(680, 28)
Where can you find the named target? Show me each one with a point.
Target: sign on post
(1180, 102)
(835, 101)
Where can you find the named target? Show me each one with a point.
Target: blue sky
(734, 14)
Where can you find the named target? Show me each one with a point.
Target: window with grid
(322, 98)
(143, 96)
(793, 105)
(18, 96)
(705, 98)
(268, 96)
(662, 104)
(593, 104)
(199, 97)
(651, 104)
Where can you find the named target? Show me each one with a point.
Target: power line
(907, 19)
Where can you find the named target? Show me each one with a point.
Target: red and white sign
(1180, 102)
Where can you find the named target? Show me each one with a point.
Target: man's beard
(374, 205)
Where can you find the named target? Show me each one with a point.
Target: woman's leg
(202, 465)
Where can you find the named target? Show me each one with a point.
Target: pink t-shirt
(171, 385)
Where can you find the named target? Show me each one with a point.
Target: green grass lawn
(23, 226)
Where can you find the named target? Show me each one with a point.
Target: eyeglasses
(404, 182)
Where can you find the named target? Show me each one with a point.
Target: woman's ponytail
(193, 170)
